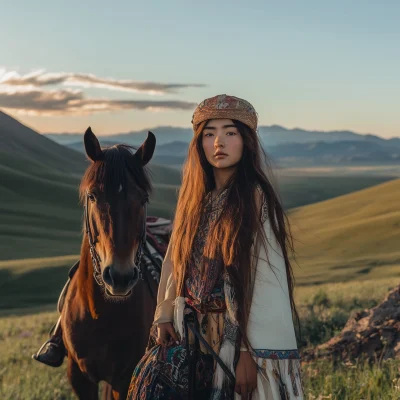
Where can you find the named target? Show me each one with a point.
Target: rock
(369, 333)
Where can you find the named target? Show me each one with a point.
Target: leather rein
(93, 240)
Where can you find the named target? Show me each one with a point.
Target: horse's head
(115, 190)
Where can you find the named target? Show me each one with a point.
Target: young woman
(228, 266)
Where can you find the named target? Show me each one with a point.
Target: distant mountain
(341, 152)
(172, 154)
(294, 154)
(270, 135)
(175, 148)
(164, 134)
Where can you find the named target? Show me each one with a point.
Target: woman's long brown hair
(232, 235)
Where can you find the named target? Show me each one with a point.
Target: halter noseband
(92, 245)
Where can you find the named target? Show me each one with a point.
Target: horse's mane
(118, 167)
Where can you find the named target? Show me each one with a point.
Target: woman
(227, 264)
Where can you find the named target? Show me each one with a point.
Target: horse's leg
(120, 390)
(82, 386)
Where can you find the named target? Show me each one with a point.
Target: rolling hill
(19, 142)
(350, 237)
(40, 214)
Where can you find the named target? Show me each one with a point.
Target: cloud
(41, 78)
(69, 101)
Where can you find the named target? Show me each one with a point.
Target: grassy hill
(40, 214)
(351, 237)
(354, 237)
(297, 191)
(23, 143)
(31, 283)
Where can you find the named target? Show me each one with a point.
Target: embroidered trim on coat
(277, 354)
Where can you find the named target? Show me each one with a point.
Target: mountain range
(288, 147)
(270, 136)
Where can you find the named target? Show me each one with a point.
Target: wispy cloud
(41, 78)
(62, 102)
(27, 94)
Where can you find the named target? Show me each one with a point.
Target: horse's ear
(146, 150)
(92, 146)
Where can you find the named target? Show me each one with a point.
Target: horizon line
(190, 127)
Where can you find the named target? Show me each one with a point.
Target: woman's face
(222, 143)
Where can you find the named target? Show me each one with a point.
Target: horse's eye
(92, 197)
(145, 200)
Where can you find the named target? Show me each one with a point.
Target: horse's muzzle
(120, 283)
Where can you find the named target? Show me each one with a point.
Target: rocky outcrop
(372, 334)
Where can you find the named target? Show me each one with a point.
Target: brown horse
(109, 309)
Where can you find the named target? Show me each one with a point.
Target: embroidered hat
(225, 106)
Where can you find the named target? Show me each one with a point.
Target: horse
(110, 304)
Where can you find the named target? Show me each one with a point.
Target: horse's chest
(97, 338)
(99, 351)
(109, 346)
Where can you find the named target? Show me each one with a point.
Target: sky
(130, 65)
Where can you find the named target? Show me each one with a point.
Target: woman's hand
(246, 375)
(166, 332)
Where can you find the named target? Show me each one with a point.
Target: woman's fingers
(251, 390)
(246, 376)
(162, 341)
(166, 332)
(162, 336)
(244, 391)
(237, 389)
(173, 334)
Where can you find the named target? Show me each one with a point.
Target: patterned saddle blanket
(158, 234)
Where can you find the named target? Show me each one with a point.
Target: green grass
(33, 282)
(20, 376)
(22, 331)
(349, 238)
(350, 381)
(40, 212)
(297, 191)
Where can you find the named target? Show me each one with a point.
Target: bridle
(93, 240)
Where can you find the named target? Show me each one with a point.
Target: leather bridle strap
(142, 243)
(92, 245)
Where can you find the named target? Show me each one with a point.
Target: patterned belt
(215, 305)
